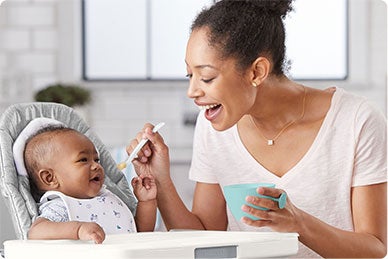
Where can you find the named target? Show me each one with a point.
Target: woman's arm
(369, 209)
(209, 208)
(153, 160)
(43, 228)
(209, 211)
(370, 225)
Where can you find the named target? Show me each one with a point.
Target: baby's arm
(43, 228)
(145, 190)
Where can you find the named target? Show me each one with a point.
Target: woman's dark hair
(247, 29)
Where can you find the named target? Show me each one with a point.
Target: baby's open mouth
(95, 179)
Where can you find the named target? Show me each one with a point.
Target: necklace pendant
(270, 142)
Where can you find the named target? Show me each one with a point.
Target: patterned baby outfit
(106, 209)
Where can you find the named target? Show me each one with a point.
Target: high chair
(15, 188)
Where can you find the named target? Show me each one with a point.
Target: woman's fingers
(273, 192)
(145, 151)
(270, 202)
(153, 158)
(283, 219)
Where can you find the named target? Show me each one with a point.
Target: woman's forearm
(174, 212)
(329, 241)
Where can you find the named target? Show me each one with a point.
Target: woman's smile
(212, 112)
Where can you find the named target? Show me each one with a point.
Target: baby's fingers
(98, 238)
(135, 182)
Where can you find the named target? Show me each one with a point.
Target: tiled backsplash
(117, 116)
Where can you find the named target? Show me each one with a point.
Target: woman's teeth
(206, 107)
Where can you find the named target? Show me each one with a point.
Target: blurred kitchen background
(130, 55)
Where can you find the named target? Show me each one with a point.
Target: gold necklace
(271, 142)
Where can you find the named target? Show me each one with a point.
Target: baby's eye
(97, 160)
(84, 159)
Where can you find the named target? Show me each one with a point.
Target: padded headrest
(20, 143)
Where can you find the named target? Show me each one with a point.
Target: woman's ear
(260, 70)
(48, 179)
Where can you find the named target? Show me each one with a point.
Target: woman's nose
(194, 91)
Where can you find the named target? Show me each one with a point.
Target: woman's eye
(207, 80)
(189, 76)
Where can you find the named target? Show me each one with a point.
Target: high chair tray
(173, 244)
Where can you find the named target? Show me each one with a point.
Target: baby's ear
(48, 179)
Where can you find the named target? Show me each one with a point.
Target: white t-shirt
(350, 150)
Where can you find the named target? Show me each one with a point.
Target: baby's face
(76, 165)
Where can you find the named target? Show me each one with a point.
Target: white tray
(173, 244)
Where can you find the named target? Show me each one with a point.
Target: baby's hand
(91, 231)
(144, 187)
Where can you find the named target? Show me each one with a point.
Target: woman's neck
(278, 102)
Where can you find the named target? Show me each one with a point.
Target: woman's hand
(153, 159)
(287, 219)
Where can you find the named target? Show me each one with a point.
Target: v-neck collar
(314, 146)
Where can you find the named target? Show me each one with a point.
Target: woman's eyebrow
(203, 66)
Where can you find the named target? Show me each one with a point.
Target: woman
(325, 148)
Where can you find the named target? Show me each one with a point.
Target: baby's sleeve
(54, 210)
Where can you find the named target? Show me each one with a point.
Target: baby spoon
(141, 144)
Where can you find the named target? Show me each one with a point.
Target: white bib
(107, 210)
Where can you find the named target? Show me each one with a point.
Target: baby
(68, 180)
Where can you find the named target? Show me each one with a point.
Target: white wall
(40, 44)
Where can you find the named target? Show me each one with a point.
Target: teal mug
(235, 198)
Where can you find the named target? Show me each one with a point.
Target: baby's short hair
(36, 151)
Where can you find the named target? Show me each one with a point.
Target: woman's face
(216, 85)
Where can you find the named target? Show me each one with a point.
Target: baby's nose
(96, 165)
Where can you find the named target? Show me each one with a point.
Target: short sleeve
(370, 164)
(54, 210)
(201, 164)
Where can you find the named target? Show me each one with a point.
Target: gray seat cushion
(15, 188)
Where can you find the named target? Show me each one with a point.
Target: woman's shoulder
(354, 109)
(360, 105)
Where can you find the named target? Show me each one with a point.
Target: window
(137, 39)
(146, 39)
(316, 40)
